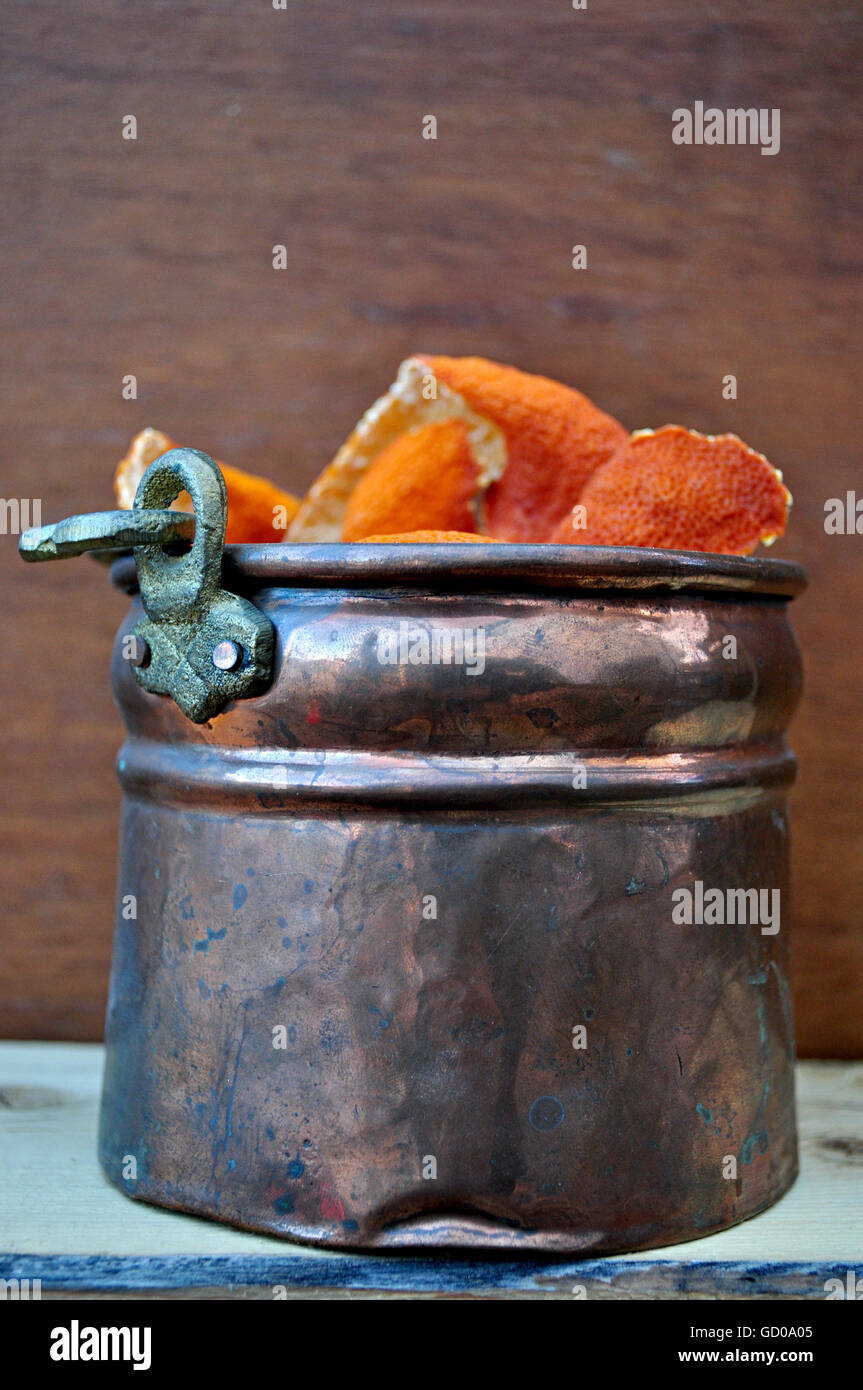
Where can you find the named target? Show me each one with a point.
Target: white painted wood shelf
(63, 1223)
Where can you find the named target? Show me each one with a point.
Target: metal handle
(104, 531)
(198, 643)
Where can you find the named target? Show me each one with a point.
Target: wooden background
(303, 126)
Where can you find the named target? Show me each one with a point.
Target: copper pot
(401, 954)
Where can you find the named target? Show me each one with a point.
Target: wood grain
(258, 127)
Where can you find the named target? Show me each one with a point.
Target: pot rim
(457, 566)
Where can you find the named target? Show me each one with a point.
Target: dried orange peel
(461, 449)
(523, 450)
(258, 510)
(428, 474)
(415, 400)
(676, 489)
(555, 438)
(428, 538)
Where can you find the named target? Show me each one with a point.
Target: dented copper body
(404, 968)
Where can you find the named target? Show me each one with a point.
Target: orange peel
(676, 489)
(427, 538)
(258, 510)
(428, 477)
(415, 400)
(526, 448)
(555, 437)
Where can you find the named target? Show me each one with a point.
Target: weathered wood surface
(62, 1222)
(259, 127)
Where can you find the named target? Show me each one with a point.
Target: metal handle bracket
(198, 643)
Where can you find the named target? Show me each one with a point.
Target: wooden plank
(258, 127)
(274, 1277)
(62, 1222)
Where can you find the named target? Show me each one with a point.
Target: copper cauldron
(453, 899)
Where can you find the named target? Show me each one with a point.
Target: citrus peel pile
(467, 450)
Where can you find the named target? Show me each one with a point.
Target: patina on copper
(376, 905)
